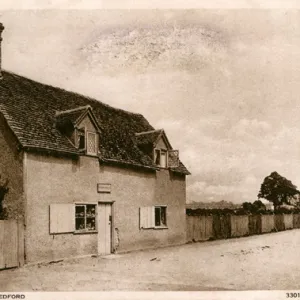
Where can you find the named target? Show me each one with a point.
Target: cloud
(251, 126)
(163, 48)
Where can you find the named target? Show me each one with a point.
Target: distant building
(269, 206)
(213, 205)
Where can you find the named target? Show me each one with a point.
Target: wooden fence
(288, 221)
(221, 227)
(239, 226)
(267, 223)
(254, 224)
(11, 244)
(296, 221)
(279, 222)
(202, 228)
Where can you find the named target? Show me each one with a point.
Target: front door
(104, 228)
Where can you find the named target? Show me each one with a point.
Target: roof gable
(77, 115)
(89, 113)
(147, 137)
(153, 137)
(163, 137)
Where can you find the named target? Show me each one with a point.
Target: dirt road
(264, 262)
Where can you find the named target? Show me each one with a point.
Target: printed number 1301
(293, 295)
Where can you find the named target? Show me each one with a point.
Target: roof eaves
(115, 161)
(186, 172)
(49, 149)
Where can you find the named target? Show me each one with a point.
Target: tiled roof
(31, 110)
(149, 137)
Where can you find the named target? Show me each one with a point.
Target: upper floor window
(91, 141)
(166, 158)
(80, 126)
(161, 158)
(81, 138)
(88, 141)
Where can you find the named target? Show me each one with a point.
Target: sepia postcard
(149, 147)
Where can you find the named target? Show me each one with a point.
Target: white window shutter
(173, 158)
(142, 217)
(91, 143)
(62, 218)
(151, 216)
(147, 217)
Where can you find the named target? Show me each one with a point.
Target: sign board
(104, 188)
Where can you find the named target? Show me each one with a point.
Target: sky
(222, 83)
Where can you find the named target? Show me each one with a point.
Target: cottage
(86, 178)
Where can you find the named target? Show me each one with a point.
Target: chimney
(1, 29)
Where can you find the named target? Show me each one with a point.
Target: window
(163, 158)
(160, 158)
(160, 216)
(157, 156)
(67, 218)
(85, 217)
(81, 138)
(92, 143)
(153, 217)
(87, 141)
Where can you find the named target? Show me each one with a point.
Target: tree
(247, 206)
(255, 207)
(3, 191)
(278, 190)
(258, 206)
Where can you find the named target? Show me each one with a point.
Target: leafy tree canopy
(278, 190)
(255, 207)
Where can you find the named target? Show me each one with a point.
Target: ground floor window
(85, 217)
(160, 216)
(153, 217)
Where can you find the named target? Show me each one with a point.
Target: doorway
(104, 228)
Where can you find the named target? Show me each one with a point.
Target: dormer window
(161, 157)
(166, 158)
(157, 156)
(156, 144)
(81, 127)
(91, 141)
(87, 141)
(81, 138)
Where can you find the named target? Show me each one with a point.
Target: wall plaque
(104, 188)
